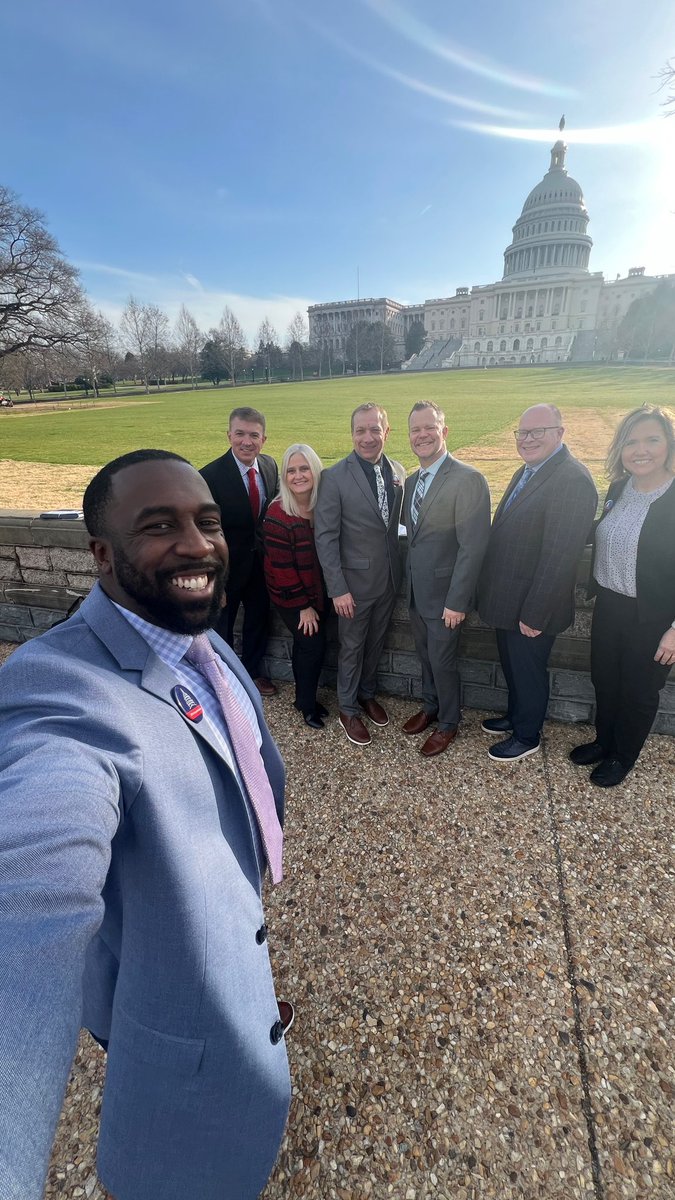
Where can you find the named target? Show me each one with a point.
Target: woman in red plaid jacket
(293, 575)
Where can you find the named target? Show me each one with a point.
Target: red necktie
(253, 493)
(202, 655)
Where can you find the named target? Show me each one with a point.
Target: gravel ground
(481, 962)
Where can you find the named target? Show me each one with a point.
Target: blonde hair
(614, 468)
(285, 496)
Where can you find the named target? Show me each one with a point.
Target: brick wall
(45, 567)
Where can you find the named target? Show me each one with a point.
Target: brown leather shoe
(418, 723)
(265, 686)
(374, 711)
(439, 741)
(355, 730)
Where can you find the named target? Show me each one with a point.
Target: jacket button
(276, 1032)
(261, 935)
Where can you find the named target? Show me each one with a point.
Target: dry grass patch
(41, 486)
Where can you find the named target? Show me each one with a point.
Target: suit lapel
(538, 480)
(133, 654)
(359, 476)
(430, 496)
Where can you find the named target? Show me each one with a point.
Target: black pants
(306, 658)
(626, 679)
(524, 662)
(255, 629)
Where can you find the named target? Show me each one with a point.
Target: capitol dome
(550, 237)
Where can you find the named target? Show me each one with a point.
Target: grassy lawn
(479, 406)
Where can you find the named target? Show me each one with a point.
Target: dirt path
(44, 485)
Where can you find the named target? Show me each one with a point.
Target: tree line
(52, 337)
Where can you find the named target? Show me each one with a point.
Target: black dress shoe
(609, 773)
(313, 720)
(587, 753)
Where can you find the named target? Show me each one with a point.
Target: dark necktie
(524, 479)
(253, 493)
(202, 655)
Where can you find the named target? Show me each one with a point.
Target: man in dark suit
(447, 515)
(356, 529)
(242, 482)
(526, 587)
(142, 797)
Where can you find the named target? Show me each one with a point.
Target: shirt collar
(435, 466)
(170, 647)
(242, 466)
(534, 469)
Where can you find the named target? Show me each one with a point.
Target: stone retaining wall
(45, 567)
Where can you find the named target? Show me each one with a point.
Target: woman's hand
(666, 650)
(309, 621)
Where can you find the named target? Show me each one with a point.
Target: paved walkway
(481, 963)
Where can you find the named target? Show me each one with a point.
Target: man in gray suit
(447, 515)
(356, 529)
(142, 797)
(526, 587)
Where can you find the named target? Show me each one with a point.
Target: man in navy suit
(132, 851)
(242, 482)
(526, 586)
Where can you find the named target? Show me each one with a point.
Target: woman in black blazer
(633, 580)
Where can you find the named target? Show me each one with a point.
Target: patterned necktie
(418, 496)
(253, 493)
(382, 502)
(525, 478)
(202, 655)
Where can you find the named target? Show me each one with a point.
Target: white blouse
(617, 536)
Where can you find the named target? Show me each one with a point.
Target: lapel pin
(187, 703)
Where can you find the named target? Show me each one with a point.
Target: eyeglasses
(521, 435)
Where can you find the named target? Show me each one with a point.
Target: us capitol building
(547, 308)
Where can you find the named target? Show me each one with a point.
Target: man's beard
(156, 595)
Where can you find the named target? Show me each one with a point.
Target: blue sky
(257, 153)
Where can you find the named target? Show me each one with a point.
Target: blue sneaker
(511, 750)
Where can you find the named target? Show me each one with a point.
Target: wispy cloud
(408, 81)
(193, 281)
(634, 134)
(425, 209)
(414, 30)
(132, 277)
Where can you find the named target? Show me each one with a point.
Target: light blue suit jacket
(130, 902)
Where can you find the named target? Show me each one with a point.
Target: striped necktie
(202, 655)
(382, 502)
(418, 496)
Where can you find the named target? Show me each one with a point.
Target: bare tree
(39, 290)
(90, 345)
(233, 343)
(189, 341)
(110, 356)
(145, 330)
(24, 370)
(268, 344)
(667, 77)
(297, 340)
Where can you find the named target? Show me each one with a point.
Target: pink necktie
(253, 492)
(202, 655)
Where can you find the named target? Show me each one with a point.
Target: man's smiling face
(163, 555)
